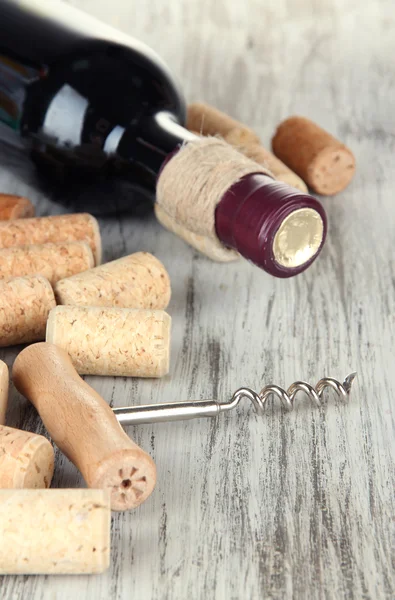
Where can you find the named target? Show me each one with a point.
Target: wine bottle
(87, 99)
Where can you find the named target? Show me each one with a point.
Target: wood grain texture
(294, 505)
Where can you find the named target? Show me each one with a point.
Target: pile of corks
(50, 261)
(99, 319)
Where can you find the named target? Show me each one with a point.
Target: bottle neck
(155, 137)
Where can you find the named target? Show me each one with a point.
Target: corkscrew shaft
(178, 411)
(169, 411)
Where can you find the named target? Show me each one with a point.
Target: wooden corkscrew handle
(83, 426)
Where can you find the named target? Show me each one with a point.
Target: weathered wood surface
(294, 505)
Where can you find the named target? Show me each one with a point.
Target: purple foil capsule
(275, 226)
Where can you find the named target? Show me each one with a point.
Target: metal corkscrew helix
(177, 411)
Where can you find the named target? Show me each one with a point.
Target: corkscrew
(177, 411)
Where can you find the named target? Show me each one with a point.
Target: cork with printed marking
(136, 281)
(80, 227)
(26, 459)
(15, 207)
(53, 261)
(63, 531)
(321, 160)
(112, 341)
(25, 303)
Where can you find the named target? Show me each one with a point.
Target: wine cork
(64, 531)
(135, 281)
(263, 157)
(83, 426)
(112, 341)
(25, 303)
(208, 120)
(15, 207)
(26, 459)
(52, 261)
(60, 228)
(4, 385)
(322, 161)
(211, 247)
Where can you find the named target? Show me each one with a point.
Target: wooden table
(296, 505)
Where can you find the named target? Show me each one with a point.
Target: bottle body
(92, 95)
(93, 103)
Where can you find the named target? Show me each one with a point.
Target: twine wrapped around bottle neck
(194, 181)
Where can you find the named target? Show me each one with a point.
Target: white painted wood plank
(298, 505)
